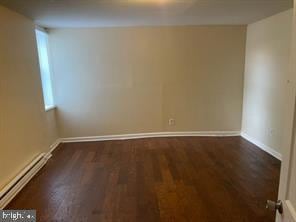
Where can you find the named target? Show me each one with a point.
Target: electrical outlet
(172, 122)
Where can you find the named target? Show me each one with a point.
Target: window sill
(48, 108)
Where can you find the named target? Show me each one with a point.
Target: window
(42, 45)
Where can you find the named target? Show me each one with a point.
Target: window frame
(39, 30)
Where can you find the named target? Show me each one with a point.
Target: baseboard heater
(16, 185)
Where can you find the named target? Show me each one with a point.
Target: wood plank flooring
(159, 179)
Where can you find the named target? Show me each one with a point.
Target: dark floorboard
(158, 179)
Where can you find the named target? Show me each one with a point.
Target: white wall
(133, 80)
(267, 63)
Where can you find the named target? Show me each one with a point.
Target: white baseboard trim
(54, 146)
(262, 146)
(16, 185)
(18, 182)
(151, 135)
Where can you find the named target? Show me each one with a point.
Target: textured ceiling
(96, 13)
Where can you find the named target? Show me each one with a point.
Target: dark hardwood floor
(161, 179)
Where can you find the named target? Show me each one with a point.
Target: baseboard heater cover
(16, 185)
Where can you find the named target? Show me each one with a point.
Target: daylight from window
(42, 45)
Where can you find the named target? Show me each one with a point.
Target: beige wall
(267, 58)
(25, 129)
(131, 80)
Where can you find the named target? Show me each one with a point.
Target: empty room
(147, 110)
